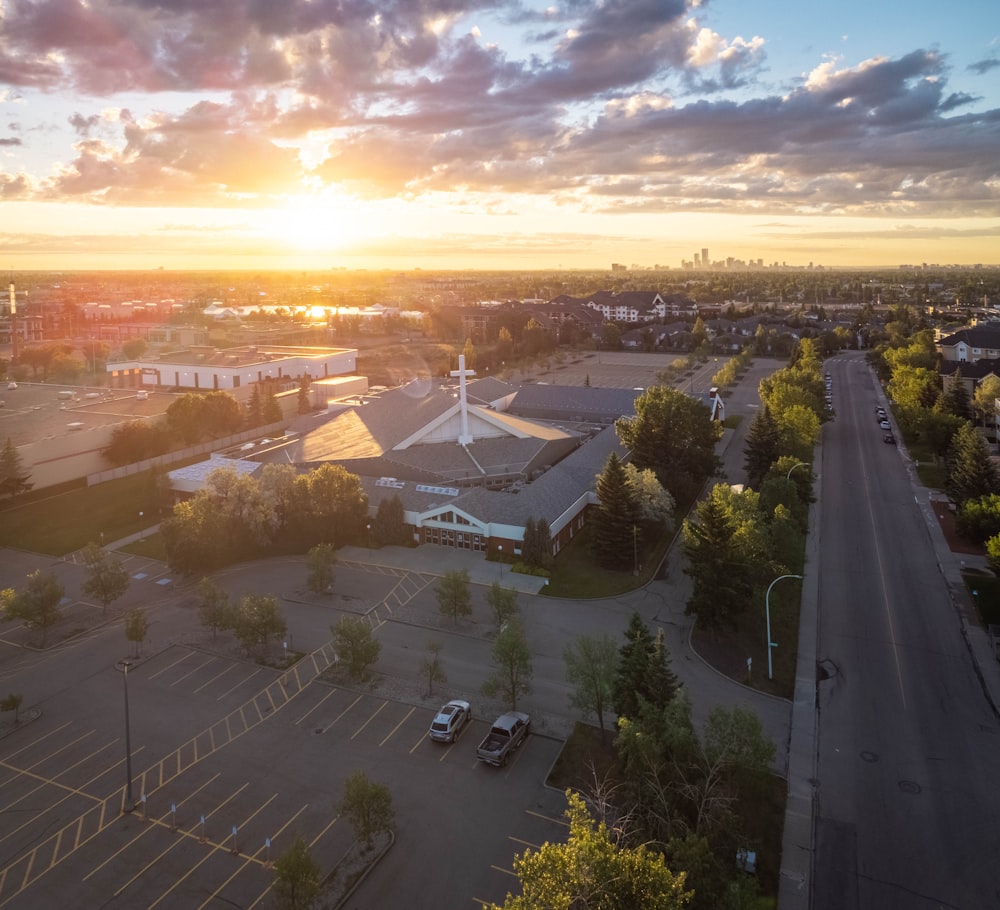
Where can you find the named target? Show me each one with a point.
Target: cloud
(623, 105)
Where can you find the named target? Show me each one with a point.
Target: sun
(310, 224)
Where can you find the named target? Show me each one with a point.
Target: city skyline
(497, 135)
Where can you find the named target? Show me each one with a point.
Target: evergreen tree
(615, 517)
(13, 477)
(971, 473)
(529, 546)
(390, 521)
(633, 666)
(255, 408)
(956, 399)
(660, 683)
(272, 411)
(544, 543)
(762, 447)
(304, 405)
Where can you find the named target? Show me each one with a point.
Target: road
(908, 747)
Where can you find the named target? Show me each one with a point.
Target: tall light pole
(635, 552)
(129, 800)
(767, 613)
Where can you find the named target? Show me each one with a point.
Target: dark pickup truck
(506, 734)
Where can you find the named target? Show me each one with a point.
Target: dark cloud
(981, 67)
(10, 143)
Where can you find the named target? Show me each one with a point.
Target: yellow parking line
(35, 742)
(176, 843)
(372, 717)
(342, 713)
(180, 659)
(192, 672)
(129, 843)
(394, 729)
(274, 836)
(205, 859)
(548, 818)
(322, 701)
(217, 676)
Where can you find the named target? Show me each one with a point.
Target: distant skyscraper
(704, 257)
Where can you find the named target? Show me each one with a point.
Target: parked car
(506, 734)
(885, 425)
(450, 721)
(889, 439)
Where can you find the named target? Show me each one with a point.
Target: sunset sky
(495, 134)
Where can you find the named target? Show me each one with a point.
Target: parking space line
(208, 856)
(342, 713)
(322, 701)
(146, 830)
(509, 872)
(54, 781)
(371, 717)
(40, 739)
(547, 818)
(211, 660)
(523, 843)
(394, 729)
(216, 677)
(170, 666)
(250, 859)
(176, 844)
(240, 683)
(62, 748)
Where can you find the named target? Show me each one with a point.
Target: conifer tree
(615, 517)
(633, 666)
(971, 473)
(762, 447)
(13, 477)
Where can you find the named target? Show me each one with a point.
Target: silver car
(450, 721)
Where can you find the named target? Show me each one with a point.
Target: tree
(956, 399)
(255, 408)
(134, 348)
(256, 622)
(453, 596)
(430, 666)
(298, 879)
(320, 561)
(13, 703)
(355, 644)
(631, 667)
(984, 401)
(977, 520)
(971, 473)
(656, 505)
(512, 660)
(762, 447)
(595, 871)
(14, 479)
(272, 412)
(503, 602)
(616, 517)
(37, 606)
(136, 627)
(368, 807)
(108, 579)
(591, 662)
(135, 441)
(214, 608)
(331, 504)
(389, 526)
(675, 436)
(303, 404)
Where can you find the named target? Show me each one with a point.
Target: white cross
(464, 437)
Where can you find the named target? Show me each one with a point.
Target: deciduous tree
(511, 677)
(320, 561)
(591, 664)
(298, 879)
(452, 592)
(257, 622)
(107, 578)
(593, 870)
(355, 644)
(37, 606)
(367, 806)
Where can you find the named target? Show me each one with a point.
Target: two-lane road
(908, 812)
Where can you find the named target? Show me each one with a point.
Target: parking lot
(230, 763)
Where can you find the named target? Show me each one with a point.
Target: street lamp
(767, 613)
(635, 552)
(129, 800)
(801, 464)
(500, 551)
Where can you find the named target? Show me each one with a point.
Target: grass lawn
(985, 590)
(69, 520)
(577, 574)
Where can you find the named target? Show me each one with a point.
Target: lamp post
(129, 800)
(635, 551)
(500, 551)
(788, 476)
(767, 613)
